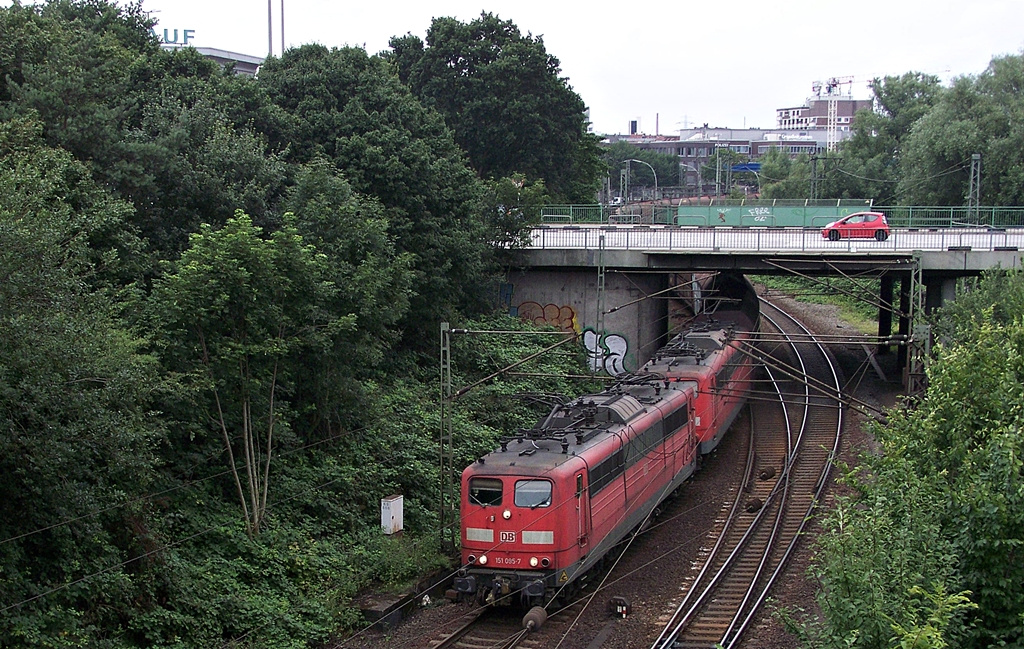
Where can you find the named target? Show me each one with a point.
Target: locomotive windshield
(533, 493)
(485, 491)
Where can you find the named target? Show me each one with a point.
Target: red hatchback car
(863, 225)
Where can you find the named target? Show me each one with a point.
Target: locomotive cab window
(485, 491)
(533, 493)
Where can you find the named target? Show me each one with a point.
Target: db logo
(508, 537)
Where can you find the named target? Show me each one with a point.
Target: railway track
(490, 628)
(796, 439)
(486, 629)
(793, 436)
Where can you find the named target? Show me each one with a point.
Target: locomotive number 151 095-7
(507, 561)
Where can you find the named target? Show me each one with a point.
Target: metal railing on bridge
(779, 213)
(759, 240)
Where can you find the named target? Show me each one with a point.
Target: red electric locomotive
(550, 503)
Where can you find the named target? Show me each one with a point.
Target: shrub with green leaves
(929, 553)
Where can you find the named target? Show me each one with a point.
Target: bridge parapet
(770, 240)
(780, 213)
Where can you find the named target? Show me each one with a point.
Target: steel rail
(727, 549)
(483, 630)
(819, 487)
(735, 632)
(754, 566)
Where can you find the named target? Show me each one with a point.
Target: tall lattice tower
(831, 91)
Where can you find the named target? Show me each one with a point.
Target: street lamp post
(652, 171)
(682, 174)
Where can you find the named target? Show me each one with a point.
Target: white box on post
(391, 514)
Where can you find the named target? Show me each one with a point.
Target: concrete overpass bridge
(616, 283)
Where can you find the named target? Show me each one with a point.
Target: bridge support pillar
(948, 290)
(939, 291)
(885, 311)
(932, 295)
(622, 322)
(904, 326)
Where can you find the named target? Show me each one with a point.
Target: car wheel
(881, 235)
(833, 235)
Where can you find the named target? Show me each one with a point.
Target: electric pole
(974, 190)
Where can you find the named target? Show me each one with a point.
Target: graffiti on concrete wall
(563, 317)
(606, 354)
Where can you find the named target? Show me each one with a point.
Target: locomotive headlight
(533, 562)
(507, 514)
(483, 559)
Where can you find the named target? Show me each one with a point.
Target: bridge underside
(953, 263)
(562, 285)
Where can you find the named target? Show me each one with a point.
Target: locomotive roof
(570, 429)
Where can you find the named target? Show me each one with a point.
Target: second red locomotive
(549, 504)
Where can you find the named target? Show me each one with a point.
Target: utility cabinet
(391, 514)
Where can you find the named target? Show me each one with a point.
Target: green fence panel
(799, 214)
(574, 214)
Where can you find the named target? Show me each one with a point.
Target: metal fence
(655, 238)
(779, 213)
(953, 217)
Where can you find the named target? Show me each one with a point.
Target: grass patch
(855, 299)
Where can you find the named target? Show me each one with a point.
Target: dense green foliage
(666, 166)
(219, 307)
(982, 115)
(165, 130)
(219, 300)
(500, 93)
(349, 107)
(76, 389)
(872, 159)
(929, 552)
(785, 177)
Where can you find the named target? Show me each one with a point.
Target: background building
(244, 63)
(817, 126)
(814, 113)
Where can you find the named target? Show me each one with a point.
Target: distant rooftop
(244, 63)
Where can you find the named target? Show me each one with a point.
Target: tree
(875, 551)
(665, 165)
(185, 165)
(719, 168)
(166, 130)
(514, 204)
(78, 437)
(943, 509)
(500, 93)
(999, 292)
(872, 159)
(371, 281)
(783, 177)
(968, 432)
(351, 109)
(238, 310)
(977, 115)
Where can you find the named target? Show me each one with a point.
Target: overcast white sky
(667, 64)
